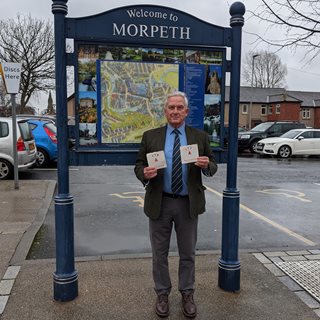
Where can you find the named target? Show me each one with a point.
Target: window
(278, 109)
(244, 109)
(305, 113)
(276, 128)
(270, 110)
(263, 110)
(4, 130)
(307, 134)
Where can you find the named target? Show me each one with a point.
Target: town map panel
(132, 98)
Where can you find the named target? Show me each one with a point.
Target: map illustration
(132, 98)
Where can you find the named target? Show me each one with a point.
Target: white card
(189, 153)
(156, 159)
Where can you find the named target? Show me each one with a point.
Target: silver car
(25, 145)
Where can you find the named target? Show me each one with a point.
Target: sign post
(11, 75)
(151, 38)
(65, 278)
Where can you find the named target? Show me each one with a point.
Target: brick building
(274, 105)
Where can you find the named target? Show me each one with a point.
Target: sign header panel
(148, 24)
(11, 76)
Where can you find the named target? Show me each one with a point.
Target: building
(275, 104)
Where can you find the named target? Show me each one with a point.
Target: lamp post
(251, 90)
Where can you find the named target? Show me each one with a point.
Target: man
(167, 204)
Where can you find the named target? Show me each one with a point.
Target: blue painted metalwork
(65, 278)
(123, 26)
(229, 264)
(149, 26)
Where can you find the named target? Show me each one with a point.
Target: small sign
(11, 76)
(189, 153)
(157, 159)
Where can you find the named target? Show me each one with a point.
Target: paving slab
(123, 289)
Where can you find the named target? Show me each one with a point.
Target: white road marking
(53, 169)
(267, 220)
(287, 193)
(137, 199)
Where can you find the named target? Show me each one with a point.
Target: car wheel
(253, 146)
(42, 158)
(6, 169)
(284, 152)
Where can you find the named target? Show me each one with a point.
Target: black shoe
(162, 305)
(189, 308)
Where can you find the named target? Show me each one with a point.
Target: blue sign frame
(149, 26)
(144, 26)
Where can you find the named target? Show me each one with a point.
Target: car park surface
(293, 142)
(278, 207)
(45, 137)
(26, 147)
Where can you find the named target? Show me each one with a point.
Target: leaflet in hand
(156, 159)
(189, 153)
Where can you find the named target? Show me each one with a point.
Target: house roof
(267, 95)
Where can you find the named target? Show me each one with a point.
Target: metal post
(65, 278)
(14, 144)
(229, 264)
(251, 89)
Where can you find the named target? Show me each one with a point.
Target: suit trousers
(174, 212)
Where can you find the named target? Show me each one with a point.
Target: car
(293, 142)
(25, 145)
(226, 133)
(50, 118)
(45, 135)
(249, 139)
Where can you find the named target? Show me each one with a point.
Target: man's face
(176, 111)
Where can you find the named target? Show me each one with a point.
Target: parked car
(293, 142)
(226, 133)
(249, 139)
(50, 118)
(25, 144)
(44, 133)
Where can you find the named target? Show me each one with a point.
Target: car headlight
(244, 136)
(270, 144)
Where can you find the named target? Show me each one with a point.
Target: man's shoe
(162, 305)
(189, 308)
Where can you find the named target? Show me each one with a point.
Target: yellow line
(272, 223)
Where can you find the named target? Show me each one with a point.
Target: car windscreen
(25, 131)
(262, 127)
(51, 127)
(291, 134)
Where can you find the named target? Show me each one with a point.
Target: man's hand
(149, 172)
(202, 162)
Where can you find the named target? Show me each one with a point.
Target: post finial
(237, 11)
(59, 6)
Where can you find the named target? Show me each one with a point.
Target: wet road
(279, 208)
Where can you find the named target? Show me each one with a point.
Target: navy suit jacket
(154, 140)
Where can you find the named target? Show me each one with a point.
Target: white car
(293, 142)
(25, 144)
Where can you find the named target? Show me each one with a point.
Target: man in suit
(167, 204)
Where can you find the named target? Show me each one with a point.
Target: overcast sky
(300, 76)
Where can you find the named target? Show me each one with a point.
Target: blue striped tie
(176, 181)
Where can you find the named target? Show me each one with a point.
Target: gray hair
(180, 94)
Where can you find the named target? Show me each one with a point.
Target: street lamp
(251, 91)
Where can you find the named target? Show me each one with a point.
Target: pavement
(120, 287)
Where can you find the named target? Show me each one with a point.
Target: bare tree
(298, 19)
(29, 41)
(264, 69)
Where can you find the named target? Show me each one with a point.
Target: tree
(300, 21)
(29, 41)
(268, 70)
